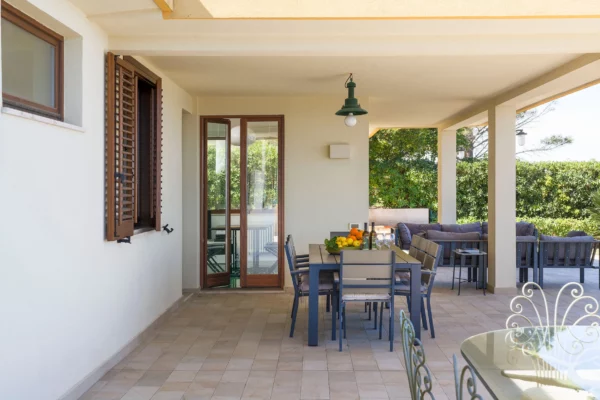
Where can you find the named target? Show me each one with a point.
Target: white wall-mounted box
(339, 151)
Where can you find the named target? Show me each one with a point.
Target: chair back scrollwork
(419, 375)
(465, 379)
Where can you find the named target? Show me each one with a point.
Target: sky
(576, 115)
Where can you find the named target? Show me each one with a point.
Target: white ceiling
(410, 72)
(419, 91)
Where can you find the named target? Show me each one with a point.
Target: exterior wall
(69, 299)
(321, 194)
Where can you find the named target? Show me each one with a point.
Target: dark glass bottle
(372, 236)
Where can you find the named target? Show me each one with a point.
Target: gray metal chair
(302, 261)
(465, 378)
(366, 276)
(429, 254)
(301, 287)
(419, 375)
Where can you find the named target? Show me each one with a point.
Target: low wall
(391, 216)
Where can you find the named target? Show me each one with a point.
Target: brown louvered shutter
(121, 194)
(157, 158)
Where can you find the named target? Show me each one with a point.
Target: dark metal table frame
(321, 260)
(481, 266)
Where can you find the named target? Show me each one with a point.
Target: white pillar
(502, 199)
(447, 176)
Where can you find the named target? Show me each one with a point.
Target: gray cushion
(474, 227)
(458, 236)
(404, 235)
(416, 228)
(525, 229)
(484, 228)
(576, 234)
(526, 238)
(404, 287)
(454, 236)
(484, 236)
(562, 243)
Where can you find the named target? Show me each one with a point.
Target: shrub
(554, 226)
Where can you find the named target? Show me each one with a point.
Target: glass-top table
(537, 363)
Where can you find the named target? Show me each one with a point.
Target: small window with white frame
(32, 65)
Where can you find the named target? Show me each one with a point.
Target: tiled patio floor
(236, 346)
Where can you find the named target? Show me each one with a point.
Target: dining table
(319, 260)
(538, 362)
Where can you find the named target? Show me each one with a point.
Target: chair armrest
(336, 277)
(299, 271)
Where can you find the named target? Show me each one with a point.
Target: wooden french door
(244, 197)
(218, 260)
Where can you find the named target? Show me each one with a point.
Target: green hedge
(554, 226)
(544, 189)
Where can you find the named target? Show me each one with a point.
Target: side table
(481, 265)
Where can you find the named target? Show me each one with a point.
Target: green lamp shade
(351, 105)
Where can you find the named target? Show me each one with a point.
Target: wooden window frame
(32, 26)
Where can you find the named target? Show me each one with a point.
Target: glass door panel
(260, 212)
(219, 254)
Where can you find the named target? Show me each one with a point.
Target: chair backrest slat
(366, 272)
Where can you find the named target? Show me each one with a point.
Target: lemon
(356, 243)
(350, 241)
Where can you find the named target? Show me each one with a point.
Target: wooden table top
(318, 254)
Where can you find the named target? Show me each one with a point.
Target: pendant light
(351, 107)
(521, 135)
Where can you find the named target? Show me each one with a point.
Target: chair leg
(391, 330)
(341, 322)
(294, 313)
(345, 325)
(381, 320)
(328, 303)
(423, 315)
(541, 277)
(375, 312)
(333, 314)
(581, 275)
(408, 302)
(430, 317)
(293, 306)
(365, 306)
(370, 307)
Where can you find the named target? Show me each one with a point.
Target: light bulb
(350, 120)
(521, 140)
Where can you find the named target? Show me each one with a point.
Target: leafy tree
(402, 168)
(474, 140)
(262, 172)
(595, 209)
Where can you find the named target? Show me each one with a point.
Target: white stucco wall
(321, 194)
(69, 300)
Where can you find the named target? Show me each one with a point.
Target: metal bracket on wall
(125, 240)
(166, 228)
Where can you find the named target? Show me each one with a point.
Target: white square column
(502, 200)
(447, 176)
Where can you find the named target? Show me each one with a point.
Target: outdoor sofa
(534, 253)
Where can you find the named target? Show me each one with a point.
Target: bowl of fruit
(351, 242)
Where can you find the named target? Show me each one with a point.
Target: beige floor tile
(140, 393)
(182, 376)
(230, 346)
